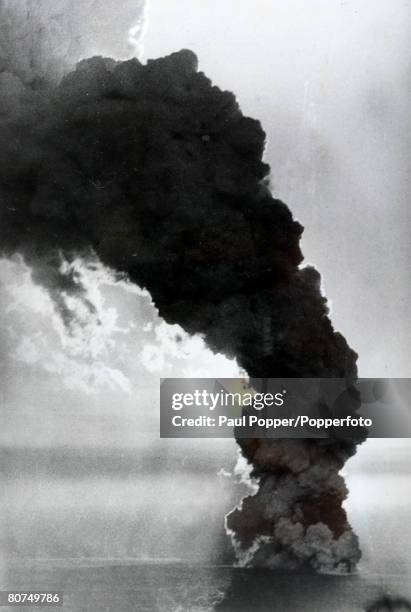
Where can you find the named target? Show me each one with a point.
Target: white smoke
(138, 30)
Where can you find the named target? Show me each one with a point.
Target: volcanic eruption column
(158, 174)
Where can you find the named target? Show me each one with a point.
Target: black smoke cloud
(156, 172)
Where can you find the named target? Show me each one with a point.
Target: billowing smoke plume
(158, 174)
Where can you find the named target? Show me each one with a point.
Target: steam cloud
(158, 174)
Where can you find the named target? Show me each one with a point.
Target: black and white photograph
(204, 201)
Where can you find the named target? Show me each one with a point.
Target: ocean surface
(91, 536)
(180, 587)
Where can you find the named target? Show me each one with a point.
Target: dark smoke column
(158, 173)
